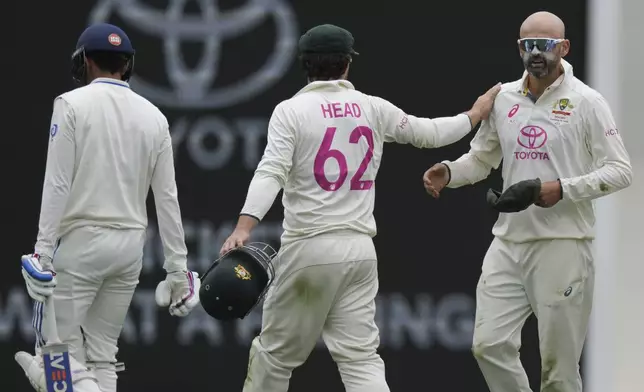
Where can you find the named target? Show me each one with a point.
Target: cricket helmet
(101, 37)
(236, 282)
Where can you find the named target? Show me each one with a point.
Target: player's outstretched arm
(614, 171)
(270, 176)
(437, 132)
(485, 154)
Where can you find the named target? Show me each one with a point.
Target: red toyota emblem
(532, 137)
(114, 39)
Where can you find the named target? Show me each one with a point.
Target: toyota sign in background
(217, 69)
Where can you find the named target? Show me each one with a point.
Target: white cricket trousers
(324, 286)
(554, 279)
(97, 271)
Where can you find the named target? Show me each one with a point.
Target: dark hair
(112, 62)
(327, 66)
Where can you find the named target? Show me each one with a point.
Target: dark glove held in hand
(517, 197)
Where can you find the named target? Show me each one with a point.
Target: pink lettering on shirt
(611, 132)
(403, 122)
(357, 112)
(337, 109)
(326, 110)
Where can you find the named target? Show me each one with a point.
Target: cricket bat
(55, 355)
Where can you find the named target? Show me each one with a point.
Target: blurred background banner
(217, 69)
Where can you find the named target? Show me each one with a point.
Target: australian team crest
(564, 104)
(242, 273)
(561, 111)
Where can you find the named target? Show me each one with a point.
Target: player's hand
(236, 240)
(550, 194)
(179, 291)
(436, 178)
(483, 105)
(34, 369)
(39, 276)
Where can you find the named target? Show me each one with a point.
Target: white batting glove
(39, 275)
(35, 371)
(179, 291)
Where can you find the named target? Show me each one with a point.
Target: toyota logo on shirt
(532, 137)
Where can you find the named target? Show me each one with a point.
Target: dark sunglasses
(542, 44)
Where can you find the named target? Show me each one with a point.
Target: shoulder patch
(53, 131)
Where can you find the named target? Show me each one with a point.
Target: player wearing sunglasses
(560, 149)
(542, 56)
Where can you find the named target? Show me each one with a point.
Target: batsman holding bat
(107, 147)
(560, 149)
(324, 149)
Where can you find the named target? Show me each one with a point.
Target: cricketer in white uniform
(324, 149)
(107, 147)
(552, 126)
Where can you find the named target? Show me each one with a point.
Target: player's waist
(527, 228)
(531, 236)
(70, 224)
(292, 234)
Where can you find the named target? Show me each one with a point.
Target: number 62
(325, 152)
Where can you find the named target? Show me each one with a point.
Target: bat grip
(50, 321)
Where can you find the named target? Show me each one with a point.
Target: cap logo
(114, 39)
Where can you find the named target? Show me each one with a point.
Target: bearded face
(540, 56)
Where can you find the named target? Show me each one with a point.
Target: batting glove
(34, 369)
(179, 291)
(39, 276)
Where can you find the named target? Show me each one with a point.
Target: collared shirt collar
(328, 85)
(566, 75)
(115, 82)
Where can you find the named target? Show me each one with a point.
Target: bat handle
(50, 321)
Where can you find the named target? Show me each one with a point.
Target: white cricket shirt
(569, 134)
(107, 146)
(324, 149)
